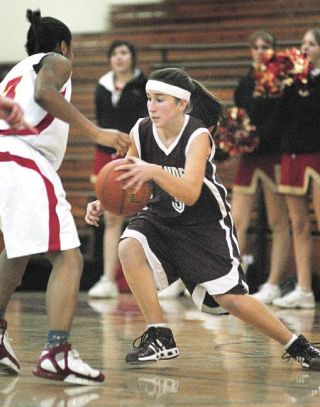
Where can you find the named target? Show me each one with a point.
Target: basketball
(116, 200)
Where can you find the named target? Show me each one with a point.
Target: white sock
(293, 338)
(161, 325)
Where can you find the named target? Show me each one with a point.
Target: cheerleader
(300, 169)
(261, 169)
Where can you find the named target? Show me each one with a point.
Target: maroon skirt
(297, 170)
(252, 169)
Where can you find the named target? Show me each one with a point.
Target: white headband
(169, 89)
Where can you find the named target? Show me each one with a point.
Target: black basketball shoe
(155, 344)
(305, 353)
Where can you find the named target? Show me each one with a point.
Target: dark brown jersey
(212, 203)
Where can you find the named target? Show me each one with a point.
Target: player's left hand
(137, 172)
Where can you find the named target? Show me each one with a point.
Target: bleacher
(206, 37)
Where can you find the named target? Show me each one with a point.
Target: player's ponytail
(205, 106)
(45, 33)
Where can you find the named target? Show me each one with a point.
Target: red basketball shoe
(63, 364)
(8, 360)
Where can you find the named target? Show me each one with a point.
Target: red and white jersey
(19, 84)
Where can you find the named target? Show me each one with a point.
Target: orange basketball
(115, 199)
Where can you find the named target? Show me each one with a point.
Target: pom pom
(237, 135)
(280, 69)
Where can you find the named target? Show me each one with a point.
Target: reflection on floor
(223, 362)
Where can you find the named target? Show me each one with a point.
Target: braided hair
(45, 33)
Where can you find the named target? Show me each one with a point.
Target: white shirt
(19, 84)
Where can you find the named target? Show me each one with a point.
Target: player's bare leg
(254, 312)
(107, 287)
(157, 342)
(63, 288)
(58, 361)
(11, 272)
(140, 280)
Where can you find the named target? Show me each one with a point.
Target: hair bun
(33, 16)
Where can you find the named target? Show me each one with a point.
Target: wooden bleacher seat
(176, 12)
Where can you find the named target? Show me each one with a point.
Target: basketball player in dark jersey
(186, 231)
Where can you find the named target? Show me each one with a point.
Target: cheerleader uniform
(196, 243)
(263, 163)
(300, 143)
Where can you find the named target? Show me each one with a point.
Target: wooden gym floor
(222, 361)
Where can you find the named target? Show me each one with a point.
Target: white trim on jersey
(195, 134)
(225, 283)
(136, 138)
(158, 272)
(212, 153)
(221, 202)
(218, 286)
(211, 185)
(234, 238)
(168, 150)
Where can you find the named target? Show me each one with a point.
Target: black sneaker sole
(175, 354)
(313, 366)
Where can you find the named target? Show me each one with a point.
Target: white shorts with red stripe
(35, 216)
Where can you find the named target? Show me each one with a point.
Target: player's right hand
(94, 210)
